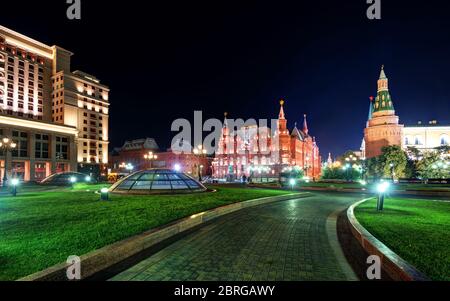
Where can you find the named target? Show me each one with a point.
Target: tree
(413, 153)
(333, 173)
(433, 166)
(394, 161)
(347, 154)
(374, 168)
(341, 173)
(443, 150)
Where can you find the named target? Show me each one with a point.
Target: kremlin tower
(383, 128)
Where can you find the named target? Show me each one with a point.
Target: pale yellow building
(57, 118)
(426, 137)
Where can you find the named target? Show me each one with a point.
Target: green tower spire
(383, 101)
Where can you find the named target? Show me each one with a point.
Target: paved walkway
(290, 240)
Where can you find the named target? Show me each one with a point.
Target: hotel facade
(57, 119)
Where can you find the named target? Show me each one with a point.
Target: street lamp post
(14, 183)
(129, 167)
(392, 171)
(349, 166)
(348, 171)
(364, 170)
(104, 194)
(382, 188)
(150, 157)
(7, 145)
(199, 152)
(292, 183)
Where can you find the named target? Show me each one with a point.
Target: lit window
(418, 140)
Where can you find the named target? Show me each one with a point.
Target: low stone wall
(397, 268)
(110, 255)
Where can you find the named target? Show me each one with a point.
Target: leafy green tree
(393, 160)
(411, 169)
(374, 168)
(339, 173)
(413, 153)
(333, 173)
(443, 150)
(433, 166)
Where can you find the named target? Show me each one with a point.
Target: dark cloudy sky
(165, 59)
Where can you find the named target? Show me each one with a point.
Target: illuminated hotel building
(57, 118)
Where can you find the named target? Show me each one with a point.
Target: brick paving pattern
(280, 241)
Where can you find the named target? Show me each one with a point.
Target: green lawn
(417, 230)
(370, 187)
(331, 185)
(40, 229)
(425, 187)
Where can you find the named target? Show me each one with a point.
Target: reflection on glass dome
(64, 179)
(156, 181)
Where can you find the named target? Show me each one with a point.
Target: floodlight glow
(73, 179)
(104, 196)
(87, 179)
(177, 167)
(292, 182)
(362, 182)
(15, 182)
(383, 187)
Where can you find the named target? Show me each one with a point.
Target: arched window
(418, 140)
(408, 140)
(445, 140)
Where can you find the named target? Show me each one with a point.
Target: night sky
(163, 61)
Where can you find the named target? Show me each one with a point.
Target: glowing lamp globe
(383, 187)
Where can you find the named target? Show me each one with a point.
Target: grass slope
(417, 230)
(40, 229)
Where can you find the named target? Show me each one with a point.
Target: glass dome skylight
(64, 179)
(157, 181)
